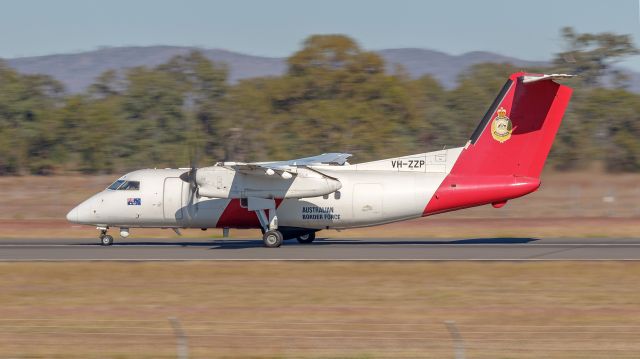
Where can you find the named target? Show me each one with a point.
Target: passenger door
(173, 199)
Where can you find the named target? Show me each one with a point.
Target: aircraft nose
(72, 216)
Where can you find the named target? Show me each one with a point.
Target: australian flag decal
(134, 201)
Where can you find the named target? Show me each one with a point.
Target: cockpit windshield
(130, 186)
(114, 186)
(122, 185)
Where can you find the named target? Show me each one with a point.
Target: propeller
(190, 177)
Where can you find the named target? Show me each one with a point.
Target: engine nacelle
(222, 182)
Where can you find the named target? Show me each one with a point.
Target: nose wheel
(105, 239)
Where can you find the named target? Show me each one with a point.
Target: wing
(287, 169)
(323, 159)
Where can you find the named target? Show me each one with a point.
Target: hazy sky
(525, 29)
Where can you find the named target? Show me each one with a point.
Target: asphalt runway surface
(509, 249)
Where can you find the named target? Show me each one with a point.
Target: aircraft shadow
(231, 244)
(240, 244)
(499, 240)
(124, 243)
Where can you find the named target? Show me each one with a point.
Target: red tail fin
(507, 151)
(516, 134)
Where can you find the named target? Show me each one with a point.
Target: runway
(508, 249)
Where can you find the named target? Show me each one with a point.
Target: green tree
(617, 114)
(27, 126)
(336, 96)
(468, 102)
(93, 131)
(204, 85)
(592, 56)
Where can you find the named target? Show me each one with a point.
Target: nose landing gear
(105, 239)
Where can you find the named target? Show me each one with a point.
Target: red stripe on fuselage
(236, 216)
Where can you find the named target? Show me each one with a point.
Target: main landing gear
(272, 238)
(105, 239)
(265, 210)
(307, 238)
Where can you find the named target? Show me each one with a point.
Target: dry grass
(320, 310)
(567, 205)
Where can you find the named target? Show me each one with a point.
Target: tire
(106, 240)
(307, 238)
(272, 239)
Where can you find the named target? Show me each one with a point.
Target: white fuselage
(371, 193)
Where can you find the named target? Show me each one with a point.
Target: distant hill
(77, 71)
(445, 67)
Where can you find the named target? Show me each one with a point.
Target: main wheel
(106, 240)
(307, 238)
(272, 239)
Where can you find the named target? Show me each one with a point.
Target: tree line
(335, 96)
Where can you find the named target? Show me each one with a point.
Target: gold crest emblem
(501, 126)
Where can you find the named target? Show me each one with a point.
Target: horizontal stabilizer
(534, 78)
